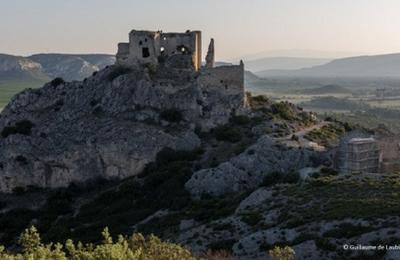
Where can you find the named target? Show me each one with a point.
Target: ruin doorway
(145, 52)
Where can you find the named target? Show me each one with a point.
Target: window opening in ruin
(182, 49)
(165, 38)
(162, 49)
(145, 52)
(140, 42)
(145, 39)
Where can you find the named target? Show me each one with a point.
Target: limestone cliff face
(248, 169)
(109, 126)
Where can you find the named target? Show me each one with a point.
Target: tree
(282, 253)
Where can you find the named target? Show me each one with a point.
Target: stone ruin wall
(226, 79)
(151, 47)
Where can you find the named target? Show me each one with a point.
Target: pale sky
(239, 27)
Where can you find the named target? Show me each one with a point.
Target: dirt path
(301, 141)
(301, 133)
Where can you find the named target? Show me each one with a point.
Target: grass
(338, 197)
(8, 88)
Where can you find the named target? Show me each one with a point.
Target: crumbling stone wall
(226, 79)
(158, 47)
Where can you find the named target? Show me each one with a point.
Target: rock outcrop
(248, 170)
(108, 126)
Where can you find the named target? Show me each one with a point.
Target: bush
(282, 253)
(227, 133)
(132, 248)
(292, 177)
(347, 230)
(260, 99)
(171, 115)
(168, 155)
(118, 71)
(271, 179)
(224, 245)
(329, 171)
(240, 120)
(57, 81)
(277, 177)
(23, 127)
(324, 244)
(284, 110)
(252, 218)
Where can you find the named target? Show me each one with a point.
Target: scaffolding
(360, 155)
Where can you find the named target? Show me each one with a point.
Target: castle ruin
(221, 87)
(182, 50)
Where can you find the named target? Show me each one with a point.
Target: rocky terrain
(147, 150)
(109, 126)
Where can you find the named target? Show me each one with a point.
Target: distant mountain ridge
(43, 67)
(21, 68)
(387, 65)
(72, 66)
(286, 63)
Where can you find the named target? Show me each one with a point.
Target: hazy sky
(240, 27)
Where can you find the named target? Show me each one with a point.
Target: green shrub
(329, 171)
(23, 127)
(327, 135)
(171, 115)
(347, 230)
(135, 247)
(227, 133)
(152, 69)
(278, 177)
(168, 155)
(240, 120)
(271, 179)
(281, 253)
(283, 110)
(260, 98)
(252, 218)
(324, 244)
(118, 71)
(57, 81)
(291, 177)
(225, 245)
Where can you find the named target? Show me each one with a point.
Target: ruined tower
(181, 50)
(210, 58)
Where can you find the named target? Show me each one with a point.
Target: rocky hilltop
(108, 126)
(159, 143)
